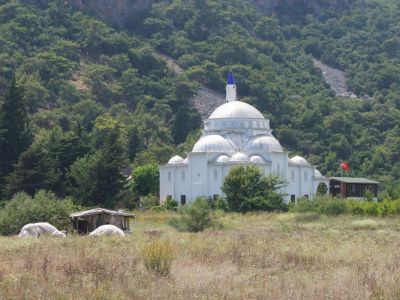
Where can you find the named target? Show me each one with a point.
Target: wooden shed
(87, 221)
(349, 187)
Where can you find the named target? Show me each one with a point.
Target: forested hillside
(101, 100)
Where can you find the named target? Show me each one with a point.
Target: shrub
(217, 203)
(221, 203)
(195, 217)
(322, 205)
(149, 201)
(332, 207)
(170, 204)
(43, 207)
(303, 205)
(158, 256)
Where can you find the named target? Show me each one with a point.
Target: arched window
(183, 175)
(305, 176)
(215, 174)
(169, 176)
(293, 175)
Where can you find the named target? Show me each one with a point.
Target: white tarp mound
(38, 229)
(107, 230)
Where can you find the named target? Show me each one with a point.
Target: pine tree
(97, 178)
(35, 170)
(15, 135)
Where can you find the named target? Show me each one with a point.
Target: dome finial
(231, 78)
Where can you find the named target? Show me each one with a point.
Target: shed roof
(97, 211)
(354, 180)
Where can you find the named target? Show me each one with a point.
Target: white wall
(199, 179)
(198, 163)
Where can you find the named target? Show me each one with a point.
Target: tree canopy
(248, 189)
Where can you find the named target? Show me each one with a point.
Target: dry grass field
(258, 256)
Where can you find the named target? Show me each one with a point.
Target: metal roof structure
(97, 211)
(354, 180)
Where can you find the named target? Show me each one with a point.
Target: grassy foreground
(259, 256)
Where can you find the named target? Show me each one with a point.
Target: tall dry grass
(256, 256)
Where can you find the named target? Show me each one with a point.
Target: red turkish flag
(345, 166)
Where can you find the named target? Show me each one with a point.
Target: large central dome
(236, 110)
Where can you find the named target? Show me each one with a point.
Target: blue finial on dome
(231, 79)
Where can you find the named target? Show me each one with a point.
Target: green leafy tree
(146, 180)
(247, 189)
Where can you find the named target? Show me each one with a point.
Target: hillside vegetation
(101, 100)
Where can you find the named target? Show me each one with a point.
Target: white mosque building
(236, 133)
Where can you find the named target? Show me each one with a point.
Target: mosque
(236, 133)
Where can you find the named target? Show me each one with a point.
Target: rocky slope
(335, 78)
(206, 100)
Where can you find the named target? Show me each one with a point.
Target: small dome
(186, 160)
(317, 174)
(257, 159)
(175, 160)
(213, 143)
(299, 160)
(222, 158)
(265, 143)
(236, 110)
(239, 156)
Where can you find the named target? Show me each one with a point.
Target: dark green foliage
(35, 170)
(218, 203)
(170, 204)
(44, 207)
(247, 189)
(145, 180)
(334, 207)
(15, 135)
(149, 201)
(97, 178)
(194, 217)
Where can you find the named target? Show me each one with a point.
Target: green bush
(221, 203)
(195, 217)
(149, 201)
(158, 256)
(43, 207)
(334, 206)
(217, 203)
(170, 204)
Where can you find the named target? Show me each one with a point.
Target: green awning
(354, 180)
